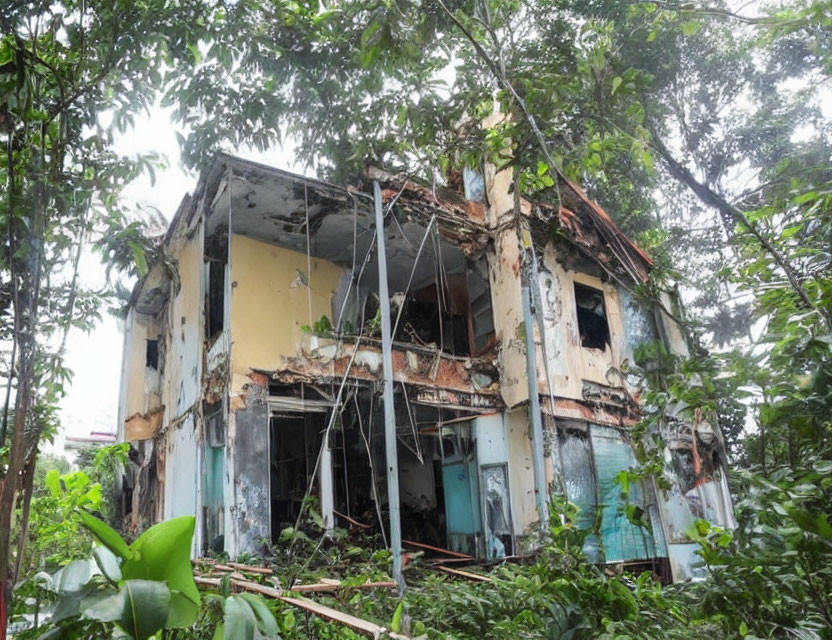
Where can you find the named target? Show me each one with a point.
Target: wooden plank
(251, 569)
(232, 566)
(447, 552)
(317, 587)
(334, 585)
(358, 524)
(465, 574)
(462, 561)
(208, 582)
(357, 624)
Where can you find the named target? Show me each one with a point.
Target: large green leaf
(813, 522)
(163, 553)
(140, 608)
(68, 606)
(240, 622)
(105, 535)
(267, 623)
(73, 576)
(108, 563)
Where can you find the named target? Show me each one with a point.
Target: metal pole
(387, 397)
(541, 493)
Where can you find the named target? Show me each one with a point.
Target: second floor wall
(162, 357)
(274, 294)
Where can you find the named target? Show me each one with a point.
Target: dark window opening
(425, 322)
(295, 439)
(216, 298)
(482, 320)
(151, 358)
(458, 320)
(592, 317)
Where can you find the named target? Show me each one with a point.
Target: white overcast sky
(95, 358)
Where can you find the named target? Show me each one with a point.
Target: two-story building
(252, 369)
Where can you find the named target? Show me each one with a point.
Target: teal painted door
(460, 484)
(459, 502)
(212, 497)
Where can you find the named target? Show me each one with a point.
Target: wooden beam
(476, 577)
(358, 524)
(250, 569)
(334, 585)
(232, 566)
(447, 552)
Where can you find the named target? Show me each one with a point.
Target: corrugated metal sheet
(622, 539)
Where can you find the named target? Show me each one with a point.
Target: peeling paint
(142, 426)
(411, 365)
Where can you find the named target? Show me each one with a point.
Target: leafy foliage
(141, 589)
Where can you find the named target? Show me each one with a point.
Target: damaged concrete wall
(675, 338)
(181, 471)
(183, 344)
(505, 265)
(269, 303)
(639, 324)
(142, 402)
(521, 471)
(248, 447)
(161, 382)
(570, 364)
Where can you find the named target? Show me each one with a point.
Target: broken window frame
(464, 333)
(592, 338)
(215, 425)
(507, 536)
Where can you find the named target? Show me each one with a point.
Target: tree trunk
(28, 487)
(9, 483)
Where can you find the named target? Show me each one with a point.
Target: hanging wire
(308, 252)
(367, 440)
(413, 428)
(412, 273)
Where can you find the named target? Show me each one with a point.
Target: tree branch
(713, 199)
(716, 11)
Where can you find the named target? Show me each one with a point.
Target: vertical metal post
(390, 446)
(541, 492)
(327, 480)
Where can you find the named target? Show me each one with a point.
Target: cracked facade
(252, 369)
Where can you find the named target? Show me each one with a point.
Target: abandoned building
(252, 372)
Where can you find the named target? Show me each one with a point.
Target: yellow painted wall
(134, 354)
(269, 303)
(183, 332)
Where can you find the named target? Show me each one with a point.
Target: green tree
(63, 68)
